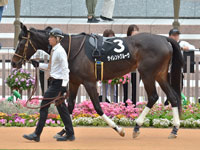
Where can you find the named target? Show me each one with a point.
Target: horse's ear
(23, 27)
(48, 29)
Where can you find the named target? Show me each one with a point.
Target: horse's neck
(41, 42)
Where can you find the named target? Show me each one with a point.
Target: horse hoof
(136, 134)
(121, 132)
(172, 136)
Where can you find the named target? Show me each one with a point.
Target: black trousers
(51, 92)
(125, 87)
(42, 81)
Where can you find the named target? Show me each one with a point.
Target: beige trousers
(108, 8)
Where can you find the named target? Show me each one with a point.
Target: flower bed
(85, 115)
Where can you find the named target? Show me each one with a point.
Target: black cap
(174, 31)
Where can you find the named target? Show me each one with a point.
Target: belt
(51, 78)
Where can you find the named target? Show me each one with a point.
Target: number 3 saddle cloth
(106, 49)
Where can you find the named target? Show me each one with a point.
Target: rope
(52, 100)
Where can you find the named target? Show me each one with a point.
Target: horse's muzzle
(14, 65)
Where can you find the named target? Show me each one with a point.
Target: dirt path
(102, 138)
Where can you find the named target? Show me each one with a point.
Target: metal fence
(191, 84)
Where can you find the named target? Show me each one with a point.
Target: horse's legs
(172, 97)
(73, 89)
(92, 91)
(149, 84)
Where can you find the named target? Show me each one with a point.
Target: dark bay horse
(150, 54)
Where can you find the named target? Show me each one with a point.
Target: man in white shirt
(59, 74)
(185, 46)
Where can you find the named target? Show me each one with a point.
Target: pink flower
(3, 121)
(48, 121)
(58, 121)
(129, 102)
(109, 81)
(120, 80)
(22, 121)
(30, 121)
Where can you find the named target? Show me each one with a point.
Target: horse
(152, 55)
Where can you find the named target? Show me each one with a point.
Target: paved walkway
(116, 21)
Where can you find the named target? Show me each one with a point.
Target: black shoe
(66, 138)
(31, 137)
(93, 20)
(106, 19)
(60, 134)
(101, 99)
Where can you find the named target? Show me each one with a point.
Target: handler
(59, 75)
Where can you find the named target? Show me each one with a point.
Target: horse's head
(28, 43)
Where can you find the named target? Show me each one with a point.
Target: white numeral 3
(120, 43)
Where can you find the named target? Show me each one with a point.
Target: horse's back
(150, 42)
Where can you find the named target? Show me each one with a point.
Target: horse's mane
(46, 30)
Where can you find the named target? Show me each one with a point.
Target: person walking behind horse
(108, 33)
(59, 75)
(132, 30)
(185, 46)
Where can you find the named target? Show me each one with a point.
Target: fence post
(29, 91)
(129, 90)
(112, 93)
(87, 96)
(188, 78)
(120, 92)
(79, 94)
(45, 80)
(3, 76)
(197, 80)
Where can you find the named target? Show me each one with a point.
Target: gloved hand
(63, 90)
(34, 63)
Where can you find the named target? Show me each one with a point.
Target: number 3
(120, 44)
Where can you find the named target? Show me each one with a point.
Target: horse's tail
(176, 68)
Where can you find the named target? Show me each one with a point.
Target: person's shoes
(59, 134)
(66, 138)
(106, 19)
(31, 137)
(93, 20)
(101, 99)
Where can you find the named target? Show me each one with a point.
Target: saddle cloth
(106, 49)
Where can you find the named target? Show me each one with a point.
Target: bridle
(28, 40)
